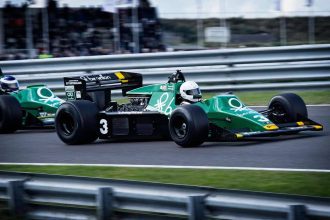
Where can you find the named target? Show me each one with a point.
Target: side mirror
(175, 77)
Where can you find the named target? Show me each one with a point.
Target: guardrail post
(104, 199)
(16, 197)
(196, 207)
(297, 212)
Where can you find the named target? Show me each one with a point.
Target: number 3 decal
(261, 118)
(104, 129)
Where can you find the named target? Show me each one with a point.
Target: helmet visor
(194, 92)
(10, 86)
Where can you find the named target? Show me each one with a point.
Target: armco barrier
(39, 196)
(304, 66)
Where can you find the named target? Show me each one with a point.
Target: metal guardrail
(304, 66)
(40, 196)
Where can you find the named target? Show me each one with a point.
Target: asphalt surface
(307, 150)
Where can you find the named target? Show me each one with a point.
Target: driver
(190, 93)
(9, 84)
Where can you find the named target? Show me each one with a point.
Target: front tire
(188, 126)
(10, 114)
(76, 122)
(286, 108)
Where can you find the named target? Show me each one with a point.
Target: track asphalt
(307, 150)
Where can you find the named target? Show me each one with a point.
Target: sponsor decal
(163, 88)
(236, 105)
(162, 105)
(170, 87)
(73, 82)
(130, 113)
(70, 95)
(47, 96)
(69, 92)
(69, 88)
(46, 114)
(78, 94)
(95, 78)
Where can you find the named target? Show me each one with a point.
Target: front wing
(284, 129)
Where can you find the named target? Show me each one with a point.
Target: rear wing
(97, 88)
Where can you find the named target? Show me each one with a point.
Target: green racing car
(34, 106)
(160, 111)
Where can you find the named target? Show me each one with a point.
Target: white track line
(172, 167)
(319, 105)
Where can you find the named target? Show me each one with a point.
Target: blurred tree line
(247, 32)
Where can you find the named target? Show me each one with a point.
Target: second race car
(34, 106)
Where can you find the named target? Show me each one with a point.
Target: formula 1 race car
(34, 106)
(155, 111)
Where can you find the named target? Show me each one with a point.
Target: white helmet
(190, 91)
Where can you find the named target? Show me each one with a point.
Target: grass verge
(263, 97)
(300, 183)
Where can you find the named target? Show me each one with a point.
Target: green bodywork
(225, 111)
(39, 105)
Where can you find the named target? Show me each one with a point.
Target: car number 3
(261, 118)
(104, 129)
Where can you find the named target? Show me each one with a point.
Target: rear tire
(188, 126)
(76, 122)
(10, 114)
(286, 108)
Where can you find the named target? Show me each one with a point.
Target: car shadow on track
(238, 143)
(109, 141)
(261, 140)
(32, 131)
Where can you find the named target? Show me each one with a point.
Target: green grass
(301, 183)
(263, 97)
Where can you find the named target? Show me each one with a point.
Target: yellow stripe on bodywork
(300, 123)
(239, 136)
(318, 127)
(121, 77)
(271, 127)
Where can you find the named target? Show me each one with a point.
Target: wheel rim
(66, 123)
(279, 114)
(180, 127)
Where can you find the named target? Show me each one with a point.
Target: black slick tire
(188, 126)
(286, 108)
(10, 114)
(76, 122)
